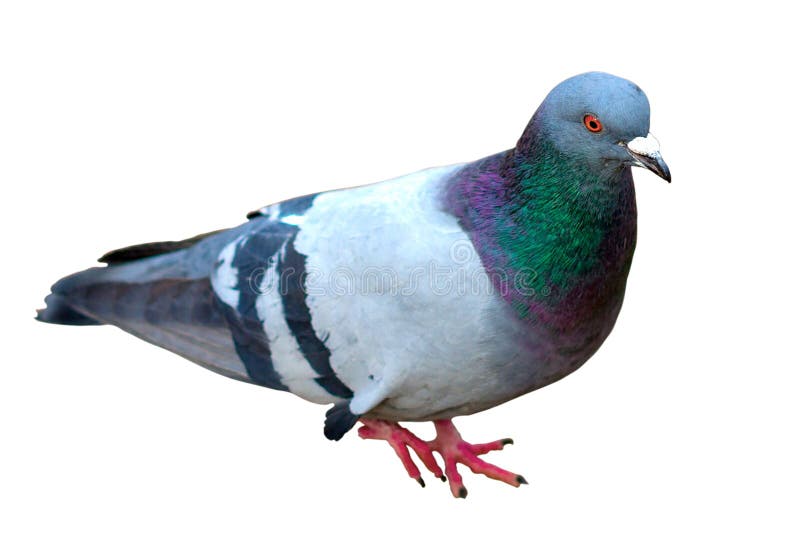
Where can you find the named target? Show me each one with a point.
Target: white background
(129, 122)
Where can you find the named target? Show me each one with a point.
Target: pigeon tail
(161, 294)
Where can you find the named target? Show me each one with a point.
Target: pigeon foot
(401, 439)
(449, 444)
(454, 450)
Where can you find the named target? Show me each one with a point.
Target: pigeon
(438, 294)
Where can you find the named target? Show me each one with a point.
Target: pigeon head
(598, 120)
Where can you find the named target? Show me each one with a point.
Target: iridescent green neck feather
(566, 222)
(556, 237)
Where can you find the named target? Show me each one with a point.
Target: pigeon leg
(401, 439)
(455, 451)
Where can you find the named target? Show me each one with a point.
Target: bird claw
(449, 444)
(401, 439)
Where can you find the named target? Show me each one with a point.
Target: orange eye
(592, 123)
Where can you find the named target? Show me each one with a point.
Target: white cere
(646, 146)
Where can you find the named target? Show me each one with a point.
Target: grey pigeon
(437, 294)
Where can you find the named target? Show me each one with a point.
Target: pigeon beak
(646, 153)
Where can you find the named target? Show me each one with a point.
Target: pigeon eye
(592, 123)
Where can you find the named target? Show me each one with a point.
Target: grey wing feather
(146, 250)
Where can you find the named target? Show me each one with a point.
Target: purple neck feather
(556, 240)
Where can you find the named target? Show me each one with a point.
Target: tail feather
(57, 311)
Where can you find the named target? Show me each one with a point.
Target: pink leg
(455, 451)
(401, 439)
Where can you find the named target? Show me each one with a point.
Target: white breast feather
(379, 260)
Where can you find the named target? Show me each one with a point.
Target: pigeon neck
(551, 233)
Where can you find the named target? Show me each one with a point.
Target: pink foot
(448, 444)
(455, 451)
(400, 440)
